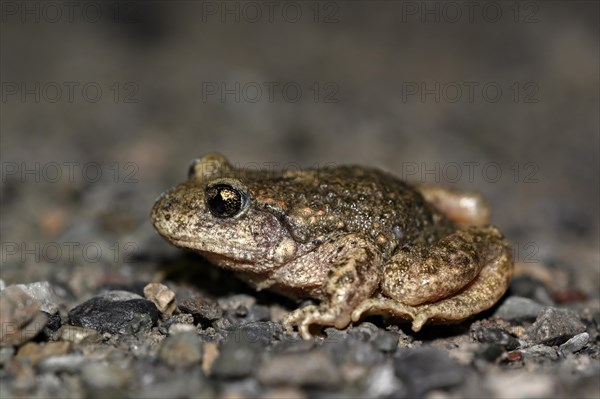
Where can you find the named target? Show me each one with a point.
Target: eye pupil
(224, 201)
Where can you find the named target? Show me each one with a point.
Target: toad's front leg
(353, 269)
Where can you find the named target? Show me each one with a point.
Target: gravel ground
(103, 108)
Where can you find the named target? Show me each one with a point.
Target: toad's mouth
(228, 257)
(217, 250)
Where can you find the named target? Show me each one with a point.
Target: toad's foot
(385, 306)
(465, 208)
(309, 315)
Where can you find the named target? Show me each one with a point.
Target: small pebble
(35, 352)
(21, 317)
(539, 353)
(256, 333)
(78, 334)
(284, 393)
(53, 324)
(359, 352)
(382, 382)
(237, 358)
(181, 383)
(490, 352)
(259, 313)
(181, 350)
(426, 369)
(105, 380)
(493, 335)
(313, 369)
(177, 328)
(115, 312)
(516, 308)
(181, 318)
(236, 301)
(43, 292)
(521, 385)
(63, 364)
(6, 353)
(575, 344)
(555, 326)
(210, 352)
(201, 308)
(334, 335)
(386, 341)
(162, 297)
(514, 356)
(529, 287)
(364, 331)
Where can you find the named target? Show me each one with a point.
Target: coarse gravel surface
(93, 303)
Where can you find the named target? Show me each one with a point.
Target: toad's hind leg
(463, 274)
(465, 208)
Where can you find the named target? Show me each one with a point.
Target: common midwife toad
(357, 239)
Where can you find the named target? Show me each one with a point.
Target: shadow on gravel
(194, 270)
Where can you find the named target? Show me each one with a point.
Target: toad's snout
(175, 210)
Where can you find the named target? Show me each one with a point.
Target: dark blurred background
(104, 104)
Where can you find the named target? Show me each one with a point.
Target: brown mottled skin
(357, 239)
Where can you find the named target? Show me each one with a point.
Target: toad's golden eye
(224, 201)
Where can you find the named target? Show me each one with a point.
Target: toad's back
(317, 204)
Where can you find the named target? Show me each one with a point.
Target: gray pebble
(222, 325)
(426, 369)
(494, 335)
(201, 308)
(539, 353)
(555, 326)
(259, 313)
(237, 389)
(119, 295)
(364, 331)
(356, 347)
(21, 317)
(490, 352)
(358, 352)
(237, 358)
(78, 334)
(182, 383)
(382, 382)
(62, 364)
(313, 369)
(529, 287)
(294, 345)
(386, 341)
(182, 318)
(105, 380)
(334, 335)
(236, 301)
(575, 344)
(516, 308)
(181, 350)
(53, 324)
(6, 353)
(256, 333)
(115, 312)
(43, 292)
